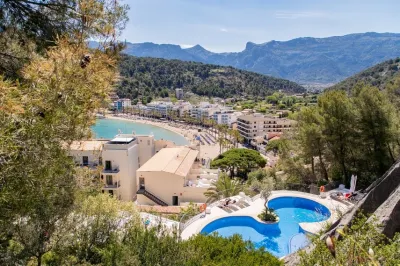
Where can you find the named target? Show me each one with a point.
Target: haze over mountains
(303, 60)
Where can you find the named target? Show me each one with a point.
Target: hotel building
(173, 176)
(118, 160)
(153, 172)
(253, 125)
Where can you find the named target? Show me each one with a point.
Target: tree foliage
(224, 187)
(378, 76)
(239, 161)
(152, 76)
(345, 135)
(51, 105)
(361, 244)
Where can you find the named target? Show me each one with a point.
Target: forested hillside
(377, 75)
(153, 77)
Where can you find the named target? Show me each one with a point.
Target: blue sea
(108, 128)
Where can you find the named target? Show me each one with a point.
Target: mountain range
(303, 60)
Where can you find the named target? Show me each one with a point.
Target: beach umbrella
(353, 183)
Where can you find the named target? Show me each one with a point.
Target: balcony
(90, 165)
(114, 185)
(111, 171)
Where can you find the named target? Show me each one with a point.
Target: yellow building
(173, 176)
(118, 159)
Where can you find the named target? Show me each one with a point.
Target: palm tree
(236, 137)
(222, 142)
(224, 187)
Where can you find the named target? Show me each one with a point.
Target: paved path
(257, 206)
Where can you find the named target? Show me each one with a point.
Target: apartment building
(161, 108)
(182, 107)
(226, 117)
(173, 176)
(254, 125)
(179, 94)
(118, 159)
(204, 110)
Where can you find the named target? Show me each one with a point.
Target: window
(109, 180)
(85, 160)
(148, 142)
(175, 200)
(141, 182)
(108, 165)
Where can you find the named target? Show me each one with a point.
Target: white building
(162, 108)
(172, 177)
(179, 94)
(182, 107)
(123, 103)
(226, 117)
(204, 110)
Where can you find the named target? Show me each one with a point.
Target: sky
(227, 25)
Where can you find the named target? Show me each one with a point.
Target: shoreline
(207, 151)
(189, 137)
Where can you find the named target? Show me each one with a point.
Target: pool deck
(257, 206)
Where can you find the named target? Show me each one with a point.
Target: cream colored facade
(119, 159)
(174, 176)
(254, 125)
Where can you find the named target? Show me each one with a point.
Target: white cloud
(223, 29)
(184, 46)
(297, 15)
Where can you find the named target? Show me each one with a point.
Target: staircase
(144, 192)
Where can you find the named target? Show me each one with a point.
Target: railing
(256, 197)
(182, 225)
(152, 197)
(114, 185)
(111, 171)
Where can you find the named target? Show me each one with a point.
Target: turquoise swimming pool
(281, 238)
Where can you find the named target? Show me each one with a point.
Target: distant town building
(256, 124)
(204, 110)
(122, 104)
(226, 117)
(181, 108)
(179, 94)
(162, 108)
(113, 97)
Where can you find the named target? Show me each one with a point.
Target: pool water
(108, 128)
(280, 238)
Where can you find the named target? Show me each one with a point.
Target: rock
(387, 216)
